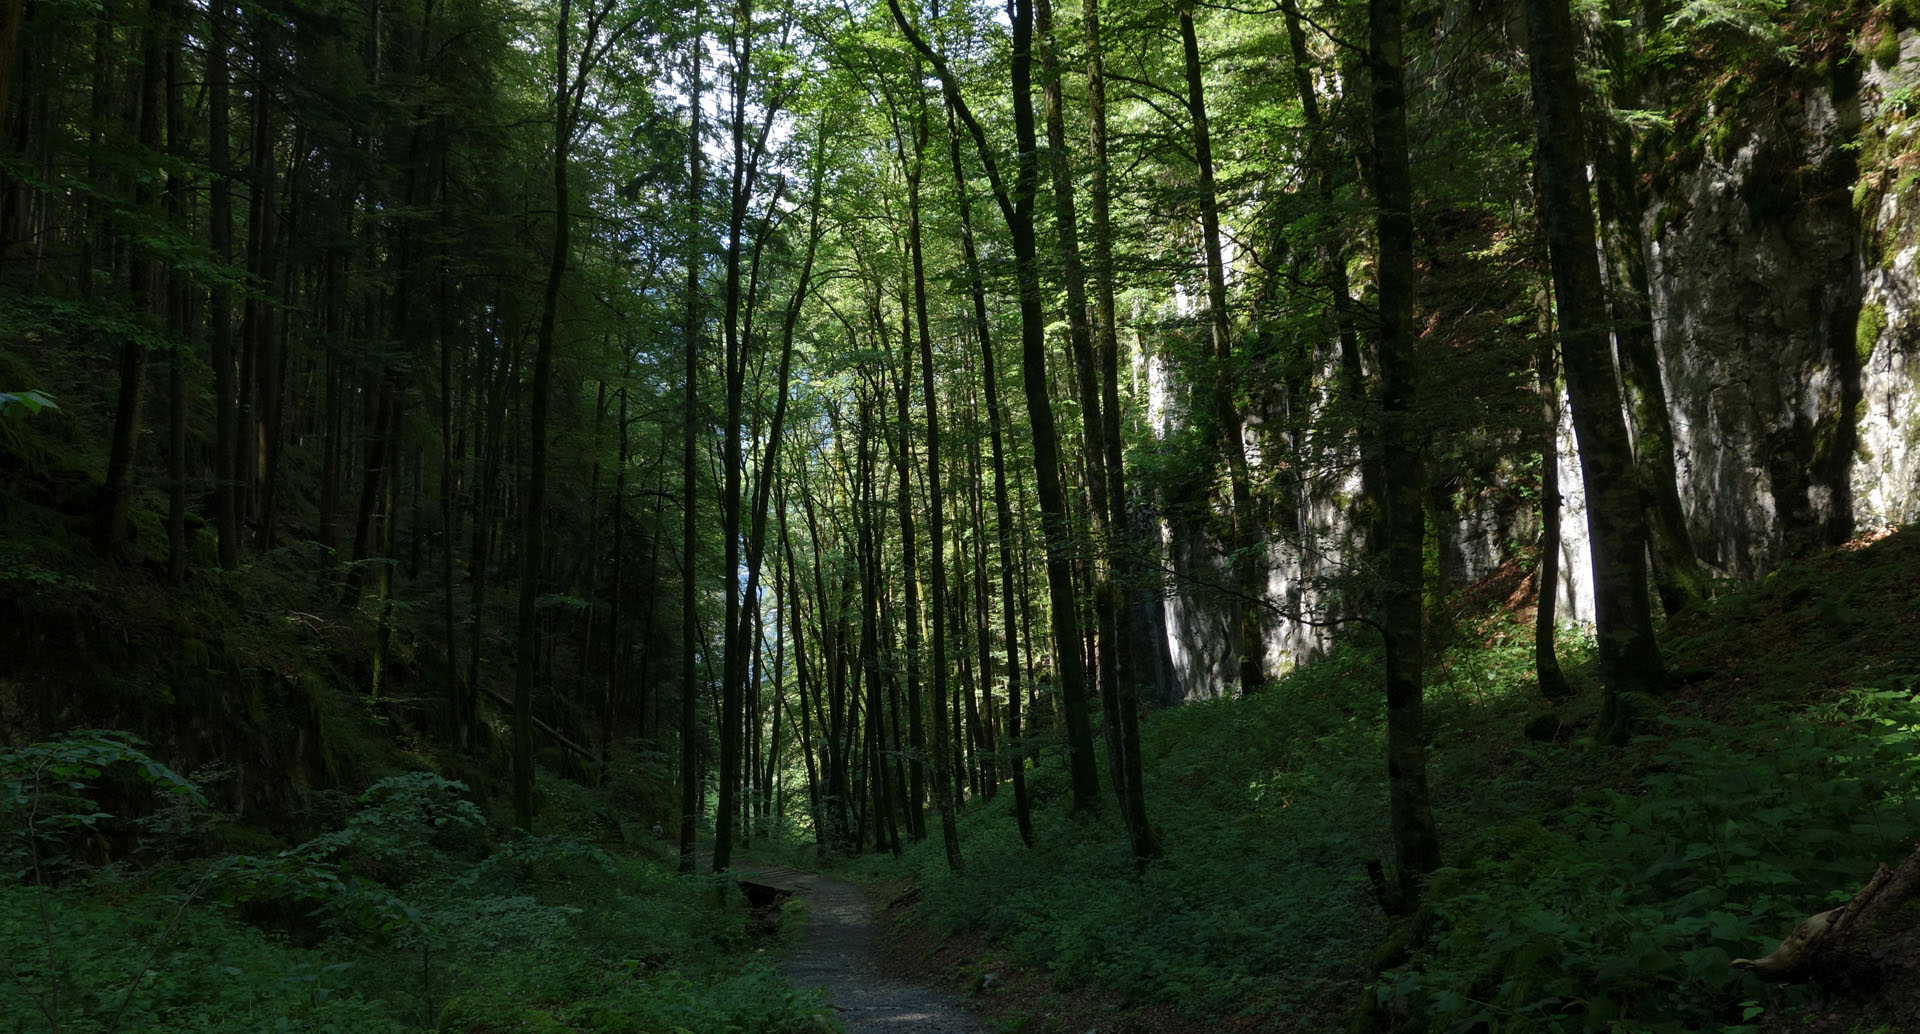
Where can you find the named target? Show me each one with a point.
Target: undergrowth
(1587, 889)
(403, 919)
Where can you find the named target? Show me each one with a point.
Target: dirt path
(837, 953)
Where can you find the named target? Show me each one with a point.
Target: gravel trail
(836, 953)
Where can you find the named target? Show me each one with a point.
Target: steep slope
(1585, 885)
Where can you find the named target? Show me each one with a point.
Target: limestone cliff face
(1785, 272)
(1886, 467)
(1784, 289)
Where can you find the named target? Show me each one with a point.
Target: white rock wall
(1763, 273)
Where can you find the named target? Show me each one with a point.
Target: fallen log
(1864, 956)
(552, 733)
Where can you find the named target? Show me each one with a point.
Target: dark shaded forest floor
(1586, 887)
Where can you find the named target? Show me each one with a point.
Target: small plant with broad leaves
(21, 404)
(47, 802)
(45, 794)
(1626, 910)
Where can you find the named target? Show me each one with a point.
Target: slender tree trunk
(177, 323)
(1546, 573)
(261, 378)
(936, 511)
(610, 693)
(900, 449)
(1249, 574)
(984, 741)
(10, 17)
(1352, 375)
(1416, 845)
(796, 627)
(1103, 658)
(148, 297)
(1126, 586)
(461, 703)
(337, 412)
(1629, 655)
(832, 629)
(488, 459)
(745, 173)
(533, 512)
(1046, 448)
(1679, 579)
(1017, 207)
(732, 677)
(226, 514)
(689, 529)
(1003, 510)
(868, 667)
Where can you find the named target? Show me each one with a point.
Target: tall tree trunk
(746, 164)
(1629, 656)
(610, 694)
(1016, 207)
(1126, 584)
(770, 457)
(1103, 658)
(936, 511)
(260, 423)
(534, 510)
(796, 627)
(488, 459)
(461, 702)
(1352, 376)
(690, 485)
(10, 17)
(1546, 572)
(226, 513)
(1003, 510)
(1249, 569)
(981, 713)
(900, 448)
(148, 298)
(177, 323)
(832, 629)
(1416, 845)
(734, 659)
(1046, 441)
(1679, 579)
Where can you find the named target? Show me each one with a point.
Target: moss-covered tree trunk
(1629, 657)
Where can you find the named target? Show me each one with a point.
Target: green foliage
(19, 405)
(1630, 906)
(1758, 19)
(46, 794)
(1588, 889)
(1263, 805)
(202, 973)
(398, 920)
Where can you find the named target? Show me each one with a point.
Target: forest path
(836, 952)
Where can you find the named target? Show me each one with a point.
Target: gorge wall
(1783, 249)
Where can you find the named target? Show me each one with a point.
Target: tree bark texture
(1630, 661)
